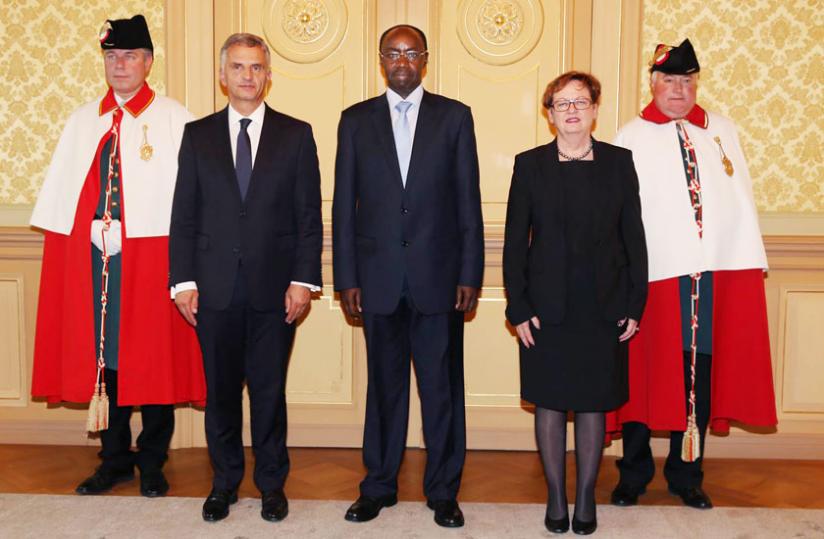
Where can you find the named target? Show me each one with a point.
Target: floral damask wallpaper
(50, 63)
(761, 65)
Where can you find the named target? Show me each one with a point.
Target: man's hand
(466, 298)
(525, 334)
(350, 299)
(186, 302)
(632, 329)
(296, 300)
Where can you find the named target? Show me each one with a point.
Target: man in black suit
(245, 246)
(408, 259)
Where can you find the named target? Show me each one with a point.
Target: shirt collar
(696, 116)
(415, 97)
(256, 116)
(137, 104)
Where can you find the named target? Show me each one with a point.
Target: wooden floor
(489, 476)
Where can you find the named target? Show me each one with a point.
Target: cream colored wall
(321, 69)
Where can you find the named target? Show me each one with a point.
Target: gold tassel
(691, 442)
(103, 409)
(94, 406)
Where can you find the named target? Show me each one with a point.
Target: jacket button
(404, 210)
(405, 243)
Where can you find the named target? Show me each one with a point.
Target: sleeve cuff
(311, 287)
(182, 287)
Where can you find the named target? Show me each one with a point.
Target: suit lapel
(423, 130)
(382, 122)
(223, 147)
(604, 194)
(268, 136)
(551, 175)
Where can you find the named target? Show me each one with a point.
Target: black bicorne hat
(126, 34)
(680, 60)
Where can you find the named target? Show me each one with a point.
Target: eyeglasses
(580, 104)
(411, 56)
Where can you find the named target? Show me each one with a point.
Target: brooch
(146, 149)
(724, 159)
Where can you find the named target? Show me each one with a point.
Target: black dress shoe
(102, 480)
(216, 506)
(584, 528)
(367, 507)
(153, 484)
(274, 506)
(447, 513)
(557, 525)
(693, 497)
(626, 494)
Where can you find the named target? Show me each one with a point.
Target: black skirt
(578, 364)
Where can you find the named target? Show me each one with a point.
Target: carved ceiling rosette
(500, 32)
(304, 31)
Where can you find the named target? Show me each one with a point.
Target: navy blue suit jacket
(429, 233)
(276, 231)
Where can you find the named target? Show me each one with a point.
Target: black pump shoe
(584, 528)
(557, 525)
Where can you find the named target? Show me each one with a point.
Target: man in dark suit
(408, 259)
(245, 245)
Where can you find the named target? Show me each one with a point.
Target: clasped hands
(466, 299)
(295, 301)
(525, 333)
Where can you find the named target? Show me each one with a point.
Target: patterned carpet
(46, 516)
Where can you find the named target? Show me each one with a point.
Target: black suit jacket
(535, 245)
(431, 232)
(276, 232)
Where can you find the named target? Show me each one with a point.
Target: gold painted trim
(629, 86)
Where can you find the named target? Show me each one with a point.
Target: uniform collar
(696, 116)
(137, 104)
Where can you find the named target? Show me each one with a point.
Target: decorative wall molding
(500, 32)
(304, 31)
(14, 390)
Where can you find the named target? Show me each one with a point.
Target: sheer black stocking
(589, 444)
(550, 431)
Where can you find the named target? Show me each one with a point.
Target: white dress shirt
(253, 129)
(412, 114)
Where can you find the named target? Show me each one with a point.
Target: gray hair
(247, 40)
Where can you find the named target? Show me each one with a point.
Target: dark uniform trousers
(435, 344)
(240, 343)
(637, 466)
(152, 443)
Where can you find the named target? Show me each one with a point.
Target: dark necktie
(243, 159)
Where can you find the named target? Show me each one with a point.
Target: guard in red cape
(703, 356)
(107, 331)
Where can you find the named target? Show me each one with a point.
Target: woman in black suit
(575, 271)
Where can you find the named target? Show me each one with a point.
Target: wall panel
(497, 57)
(13, 386)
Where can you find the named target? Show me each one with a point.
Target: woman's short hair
(559, 82)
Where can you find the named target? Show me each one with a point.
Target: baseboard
(736, 445)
